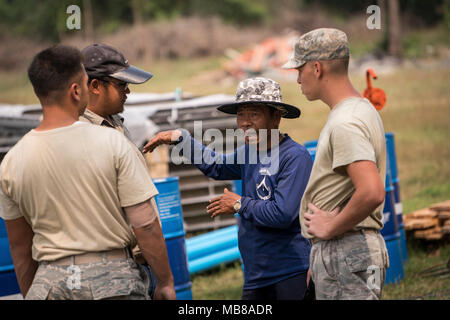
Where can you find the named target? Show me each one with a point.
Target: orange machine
(375, 95)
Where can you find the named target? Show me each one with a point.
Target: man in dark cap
(109, 75)
(275, 254)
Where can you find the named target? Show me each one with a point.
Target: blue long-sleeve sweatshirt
(270, 240)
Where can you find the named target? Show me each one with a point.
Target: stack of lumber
(431, 223)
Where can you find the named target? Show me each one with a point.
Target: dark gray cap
(101, 60)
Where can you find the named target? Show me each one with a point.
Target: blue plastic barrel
(390, 148)
(237, 187)
(169, 206)
(390, 232)
(8, 280)
(311, 146)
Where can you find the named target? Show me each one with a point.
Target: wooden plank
(446, 229)
(444, 215)
(427, 232)
(414, 224)
(441, 206)
(422, 213)
(434, 236)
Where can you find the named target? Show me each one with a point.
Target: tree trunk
(136, 7)
(88, 20)
(395, 44)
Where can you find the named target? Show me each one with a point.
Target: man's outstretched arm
(212, 164)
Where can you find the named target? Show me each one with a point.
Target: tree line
(46, 19)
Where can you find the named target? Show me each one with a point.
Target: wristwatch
(237, 205)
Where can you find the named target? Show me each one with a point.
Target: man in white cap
(341, 209)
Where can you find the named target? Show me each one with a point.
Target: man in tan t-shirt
(341, 209)
(70, 192)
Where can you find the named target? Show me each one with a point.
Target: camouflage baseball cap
(260, 91)
(319, 44)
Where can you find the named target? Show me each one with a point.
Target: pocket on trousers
(358, 261)
(117, 288)
(118, 279)
(38, 291)
(359, 257)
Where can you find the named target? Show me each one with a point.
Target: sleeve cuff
(243, 212)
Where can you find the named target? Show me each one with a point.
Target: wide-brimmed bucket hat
(260, 91)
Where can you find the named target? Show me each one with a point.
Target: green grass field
(417, 112)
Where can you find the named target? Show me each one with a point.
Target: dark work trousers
(293, 288)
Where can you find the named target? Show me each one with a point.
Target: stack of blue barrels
(393, 221)
(169, 207)
(8, 280)
(390, 231)
(390, 148)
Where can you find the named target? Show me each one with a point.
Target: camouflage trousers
(350, 267)
(107, 280)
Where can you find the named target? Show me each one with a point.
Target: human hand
(164, 137)
(165, 292)
(223, 204)
(319, 222)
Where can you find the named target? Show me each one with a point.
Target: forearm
(212, 164)
(267, 213)
(360, 206)
(25, 268)
(20, 236)
(153, 248)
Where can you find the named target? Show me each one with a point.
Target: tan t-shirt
(70, 185)
(115, 121)
(354, 131)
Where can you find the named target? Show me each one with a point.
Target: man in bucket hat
(275, 254)
(341, 209)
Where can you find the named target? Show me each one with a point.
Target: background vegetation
(37, 19)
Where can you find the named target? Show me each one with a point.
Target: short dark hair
(52, 69)
(337, 66)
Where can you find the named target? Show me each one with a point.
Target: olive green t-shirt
(71, 184)
(354, 132)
